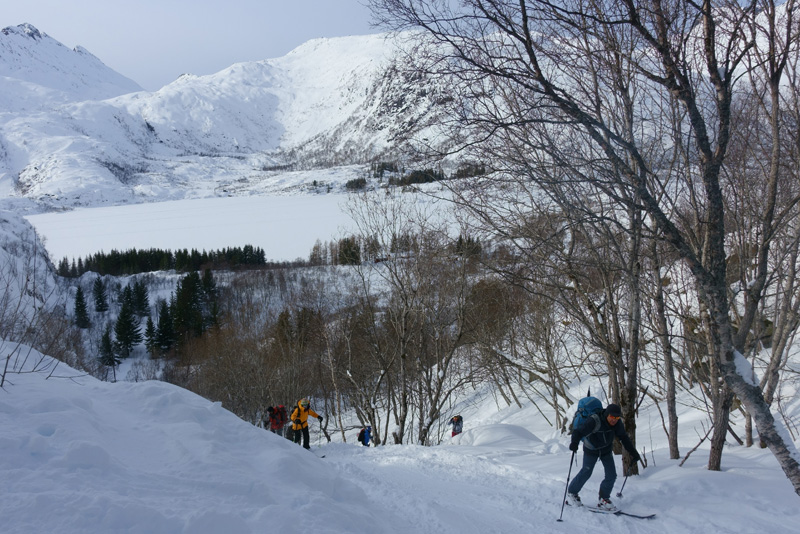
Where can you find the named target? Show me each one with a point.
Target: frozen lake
(286, 227)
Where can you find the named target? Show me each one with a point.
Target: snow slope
(28, 284)
(82, 456)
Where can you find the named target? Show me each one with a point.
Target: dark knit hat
(614, 409)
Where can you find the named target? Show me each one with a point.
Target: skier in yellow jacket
(300, 421)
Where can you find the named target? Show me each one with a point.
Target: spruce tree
(126, 297)
(81, 314)
(187, 307)
(141, 300)
(107, 356)
(209, 286)
(151, 337)
(126, 330)
(165, 332)
(349, 251)
(209, 299)
(63, 268)
(100, 297)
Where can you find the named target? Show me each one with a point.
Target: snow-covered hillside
(28, 284)
(80, 455)
(329, 102)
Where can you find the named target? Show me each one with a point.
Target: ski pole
(564, 500)
(619, 493)
(624, 472)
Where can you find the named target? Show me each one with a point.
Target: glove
(573, 446)
(298, 422)
(636, 457)
(320, 418)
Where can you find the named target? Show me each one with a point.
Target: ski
(314, 452)
(619, 512)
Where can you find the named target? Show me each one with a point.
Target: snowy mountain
(37, 72)
(329, 102)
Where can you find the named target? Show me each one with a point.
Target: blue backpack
(587, 407)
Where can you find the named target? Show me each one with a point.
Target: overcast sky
(155, 41)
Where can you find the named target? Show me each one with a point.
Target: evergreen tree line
(352, 250)
(422, 176)
(133, 261)
(134, 304)
(191, 310)
(417, 176)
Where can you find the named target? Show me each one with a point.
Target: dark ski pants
(304, 434)
(589, 459)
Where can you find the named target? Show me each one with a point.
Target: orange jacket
(301, 414)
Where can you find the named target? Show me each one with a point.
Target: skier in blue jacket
(365, 435)
(600, 431)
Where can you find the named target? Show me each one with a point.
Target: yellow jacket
(301, 414)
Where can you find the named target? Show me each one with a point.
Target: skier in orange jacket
(300, 421)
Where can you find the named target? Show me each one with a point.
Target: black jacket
(600, 435)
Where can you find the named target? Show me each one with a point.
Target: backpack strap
(586, 443)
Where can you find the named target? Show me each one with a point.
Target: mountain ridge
(32, 57)
(329, 102)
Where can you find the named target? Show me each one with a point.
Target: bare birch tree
(526, 89)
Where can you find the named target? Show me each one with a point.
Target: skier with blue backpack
(365, 435)
(597, 428)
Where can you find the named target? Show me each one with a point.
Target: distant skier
(458, 424)
(277, 418)
(599, 430)
(365, 435)
(300, 421)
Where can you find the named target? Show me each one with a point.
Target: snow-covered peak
(335, 47)
(37, 71)
(25, 29)
(273, 103)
